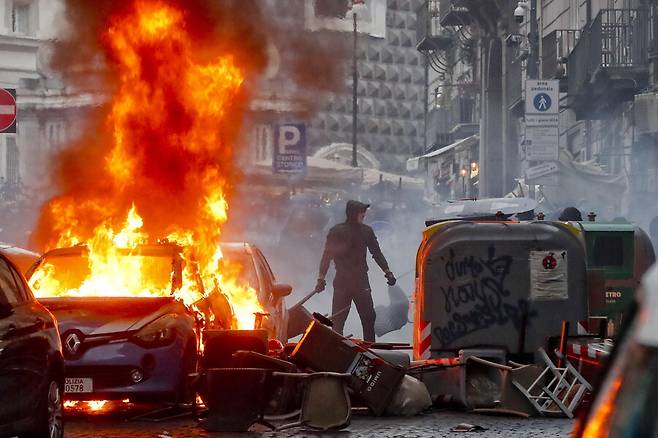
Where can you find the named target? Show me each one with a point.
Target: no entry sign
(8, 110)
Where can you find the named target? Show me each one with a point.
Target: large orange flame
(167, 154)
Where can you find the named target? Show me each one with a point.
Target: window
(12, 161)
(609, 251)
(9, 293)
(22, 287)
(20, 17)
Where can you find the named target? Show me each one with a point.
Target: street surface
(435, 424)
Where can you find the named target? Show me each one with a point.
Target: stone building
(391, 86)
(604, 54)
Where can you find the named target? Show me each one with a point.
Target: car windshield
(241, 266)
(69, 275)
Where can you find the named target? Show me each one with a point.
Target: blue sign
(542, 102)
(289, 148)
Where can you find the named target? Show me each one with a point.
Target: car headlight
(159, 333)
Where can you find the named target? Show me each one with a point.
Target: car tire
(50, 410)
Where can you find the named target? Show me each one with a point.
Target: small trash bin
(234, 398)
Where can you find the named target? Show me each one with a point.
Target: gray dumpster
(505, 285)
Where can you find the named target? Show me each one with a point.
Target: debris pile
(317, 381)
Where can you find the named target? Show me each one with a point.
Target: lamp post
(358, 7)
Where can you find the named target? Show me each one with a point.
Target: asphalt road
(434, 424)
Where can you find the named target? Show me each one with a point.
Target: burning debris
(161, 163)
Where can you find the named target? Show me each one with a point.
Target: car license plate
(78, 384)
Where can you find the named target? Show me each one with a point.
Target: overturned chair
(325, 402)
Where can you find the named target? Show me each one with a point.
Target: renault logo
(72, 343)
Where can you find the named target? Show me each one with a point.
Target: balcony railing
(556, 47)
(429, 33)
(617, 39)
(454, 13)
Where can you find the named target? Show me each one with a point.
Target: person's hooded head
(570, 214)
(355, 211)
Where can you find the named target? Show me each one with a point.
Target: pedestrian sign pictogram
(8, 110)
(542, 102)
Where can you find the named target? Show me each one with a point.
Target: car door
(276, 306)
(23, 356)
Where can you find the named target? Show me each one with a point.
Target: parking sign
(289, 148)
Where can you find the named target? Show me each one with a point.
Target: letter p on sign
(289, 137)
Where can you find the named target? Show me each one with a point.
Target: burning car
(118, 346)
(130, 332)
(255, 271)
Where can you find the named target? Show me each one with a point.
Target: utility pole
(533, 61)
(533, 64)
(355, 106)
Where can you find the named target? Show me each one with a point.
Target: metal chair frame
(561, 386)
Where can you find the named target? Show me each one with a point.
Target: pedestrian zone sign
(289, 148)
(542, 97)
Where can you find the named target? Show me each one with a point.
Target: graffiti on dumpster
(475, 296)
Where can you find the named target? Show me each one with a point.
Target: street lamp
(358, 8)
(463, 174)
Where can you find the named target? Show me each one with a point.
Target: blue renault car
(137, 348)
(142, 348)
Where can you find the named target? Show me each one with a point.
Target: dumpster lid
(470, 208)
(606, 227)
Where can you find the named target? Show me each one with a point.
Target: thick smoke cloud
(169, 184)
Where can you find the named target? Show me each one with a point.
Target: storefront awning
(414, 163)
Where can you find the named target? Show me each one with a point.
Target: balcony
(462, 117)
(454, 13)
(429, 33)
(556, 47)
(610, 62)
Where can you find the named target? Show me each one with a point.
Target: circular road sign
(542, 102)
(549, 262)
(7, 109)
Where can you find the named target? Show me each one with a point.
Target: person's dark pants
(359, 293)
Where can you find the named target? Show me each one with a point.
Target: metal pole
(354, 98)
(533, 68)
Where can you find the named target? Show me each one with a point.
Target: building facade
(391, 86)
(390, 92)
(602, 52)
(44, 113)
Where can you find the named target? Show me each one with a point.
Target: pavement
(433, 424)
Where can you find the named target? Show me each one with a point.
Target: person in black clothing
(570, 214)
(346, 245)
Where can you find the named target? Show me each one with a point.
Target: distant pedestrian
(570, 214)
(346, 245)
